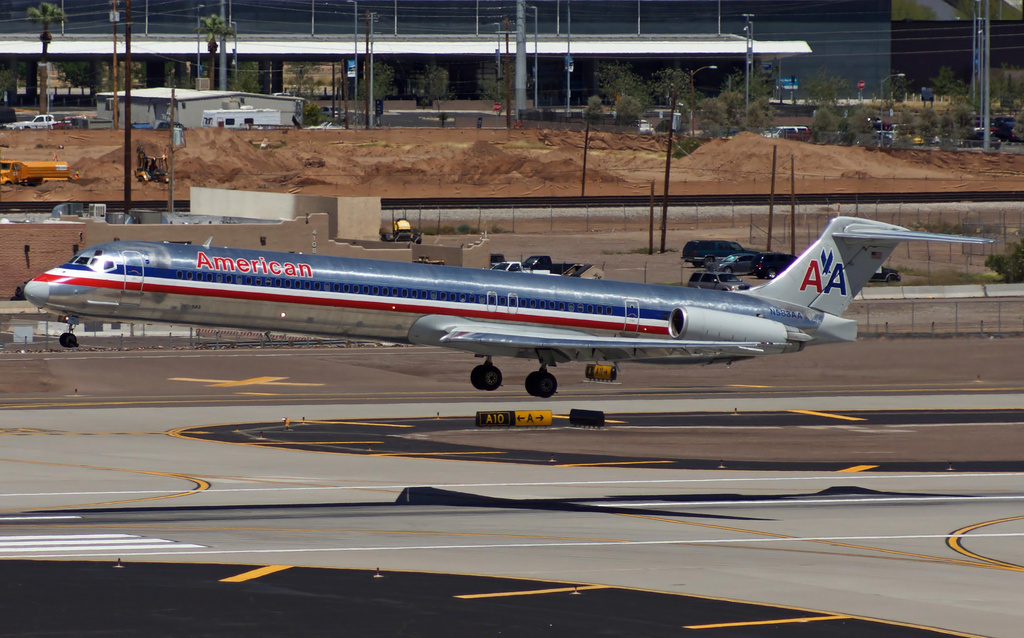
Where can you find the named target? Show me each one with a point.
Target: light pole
(199, 59)
(568, 54)
(693, 92)
(881, 105)
(750, 62)
(536, 67)
(355, 51)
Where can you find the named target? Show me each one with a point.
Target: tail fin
(830, 273)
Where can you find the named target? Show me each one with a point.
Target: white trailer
(243, 118)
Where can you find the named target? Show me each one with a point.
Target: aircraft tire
(541, 384)
(485, 377)
(68, 340)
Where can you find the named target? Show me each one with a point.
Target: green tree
(245, 77)
(1011, 265)
(724, 111)
(627, 110)
(383, 82)
(44, 15)
(948, 85)
(305, 79)
(311, 114)
(214, 28)
(594, 112)
(616, 80)
(434, 85)
(76, 74)
(760, 114)
(825, 127)
(824, 90)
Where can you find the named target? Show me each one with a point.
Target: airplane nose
(37, 292)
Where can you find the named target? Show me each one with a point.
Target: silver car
(739, 264)
(717, 281)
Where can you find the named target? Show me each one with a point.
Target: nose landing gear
(68, 339)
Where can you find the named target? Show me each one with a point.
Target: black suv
(704, 252)
(768, 265)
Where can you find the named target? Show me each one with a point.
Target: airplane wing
(565, 344)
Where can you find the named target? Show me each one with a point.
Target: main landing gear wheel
(68, 340)
(485, 377)
(541, 384)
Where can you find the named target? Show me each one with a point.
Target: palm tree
(214, 27)
(45, 14)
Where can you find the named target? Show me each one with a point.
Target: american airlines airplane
(489, 313)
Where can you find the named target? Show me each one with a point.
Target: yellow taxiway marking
(826, 414)
(317, 442)
(954, 543)
(737, 385)
(858, 468)
(370, 423)
(782, 621)
(255, 573)
(227, 383)
(432, 453)
(610, 463)
(533, 592)
(258, 394)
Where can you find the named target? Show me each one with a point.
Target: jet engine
(702, 324)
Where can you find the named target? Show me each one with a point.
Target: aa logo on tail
(823, 267)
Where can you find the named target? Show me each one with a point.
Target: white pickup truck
(38, 122)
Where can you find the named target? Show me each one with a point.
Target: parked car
(738, 264)
(717, 281)
(886, 275)
(768, 265)
(510, 266)
(704, 252)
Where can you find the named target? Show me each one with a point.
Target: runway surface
(905, 523)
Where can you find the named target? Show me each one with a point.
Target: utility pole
(520, 58)
(771, 200)
(113, 68)
(223, 71)
(170, 161)
(568, 54)
(366, 72)
(668, 166)
(128, 176)
(750, 63)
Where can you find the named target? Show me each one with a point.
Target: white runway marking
(4, 519)
(77, 543)
(760, 540)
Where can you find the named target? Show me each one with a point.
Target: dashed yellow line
(611, 463)
(827, 415)
(753, 623)
(435, 453)
(858, 468)
(534, 592)
(370, 423)
(255, 573)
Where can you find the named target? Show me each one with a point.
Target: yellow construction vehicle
(151, 168)
(401, 230)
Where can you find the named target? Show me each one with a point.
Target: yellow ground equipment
(401, 230)
(151, 168)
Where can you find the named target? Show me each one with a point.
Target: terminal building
(564, 40)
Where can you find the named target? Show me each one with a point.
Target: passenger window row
(387, 291)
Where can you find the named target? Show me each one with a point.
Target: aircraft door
(632, 323)
(134, 278)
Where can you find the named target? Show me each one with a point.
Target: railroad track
(600, 201)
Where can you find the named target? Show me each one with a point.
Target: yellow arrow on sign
(533, 418)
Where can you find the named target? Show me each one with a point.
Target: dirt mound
(446, 162)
